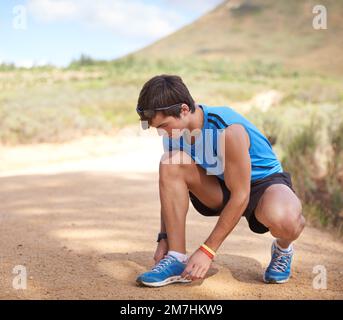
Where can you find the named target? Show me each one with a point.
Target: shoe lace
(280, 261)
(167, 260)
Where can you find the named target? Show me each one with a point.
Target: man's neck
(196, 123)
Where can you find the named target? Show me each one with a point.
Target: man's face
(170, 125)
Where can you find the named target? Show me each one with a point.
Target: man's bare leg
(280, 210)
(179, 175)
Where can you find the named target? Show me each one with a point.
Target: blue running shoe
(167, 271)
(279, 269)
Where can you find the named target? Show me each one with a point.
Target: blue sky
(57, 31)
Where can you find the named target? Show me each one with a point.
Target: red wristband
(209, 254)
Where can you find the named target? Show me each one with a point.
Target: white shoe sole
(275, 281)
(165, 282)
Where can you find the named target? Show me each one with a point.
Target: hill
(265, 30)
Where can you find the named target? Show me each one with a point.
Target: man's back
(204, 151)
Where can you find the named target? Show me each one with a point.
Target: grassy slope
(52, 105)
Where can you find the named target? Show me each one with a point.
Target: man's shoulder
(236, 132)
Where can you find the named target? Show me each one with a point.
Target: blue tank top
(204, 151)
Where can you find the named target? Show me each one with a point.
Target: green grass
(108, 91)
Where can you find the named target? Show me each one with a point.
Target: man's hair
(163, 91)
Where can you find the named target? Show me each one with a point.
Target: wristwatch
(161, 235)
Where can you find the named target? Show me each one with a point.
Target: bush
(322, 196)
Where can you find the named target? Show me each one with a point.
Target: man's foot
(279, 269)
(167, 271)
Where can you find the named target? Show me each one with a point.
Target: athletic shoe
(279, 269)
(168, 270)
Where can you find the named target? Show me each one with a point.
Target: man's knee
(173, 164)
(176, 157)
(288, 222)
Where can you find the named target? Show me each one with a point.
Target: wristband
(208, 251)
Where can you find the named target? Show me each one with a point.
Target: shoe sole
(165, 282)
(275, 281)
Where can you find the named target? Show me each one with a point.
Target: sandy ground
(82, 217)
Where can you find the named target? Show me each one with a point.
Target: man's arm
(163, 226)
(237, 173)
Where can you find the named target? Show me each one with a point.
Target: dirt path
(85, 229)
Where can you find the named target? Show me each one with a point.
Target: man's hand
(197, 266)
(161, 250)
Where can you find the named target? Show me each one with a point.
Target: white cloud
(197, 6)
(51, 10)
(129, 18)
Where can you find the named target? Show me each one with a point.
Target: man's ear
(184, 108)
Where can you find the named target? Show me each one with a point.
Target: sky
(38, 32)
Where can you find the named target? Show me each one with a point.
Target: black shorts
(257, 189)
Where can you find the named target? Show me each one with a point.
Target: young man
(227, 168)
